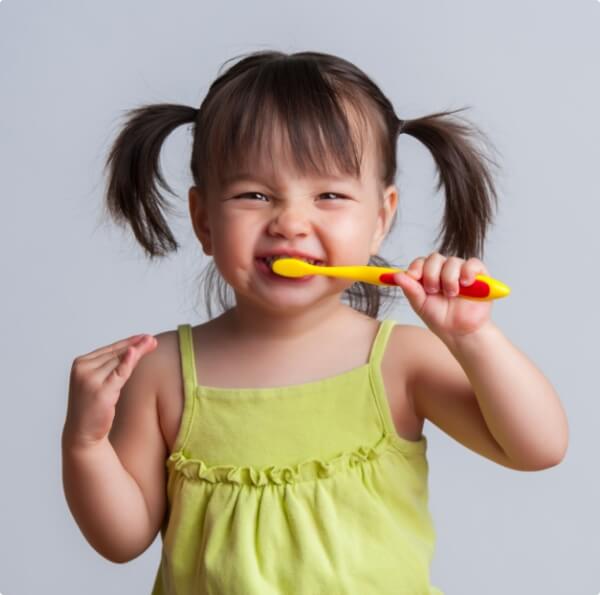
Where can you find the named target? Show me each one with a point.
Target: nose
(289, 221)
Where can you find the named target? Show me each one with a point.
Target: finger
(118, 345)
(119, 368)
(415, 268)
(431, 272)
(121, 363)
(471, 268)
(144, 344)
(450, 275)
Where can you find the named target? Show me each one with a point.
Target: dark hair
(307, 93)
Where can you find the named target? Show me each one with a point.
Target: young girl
(278, 447)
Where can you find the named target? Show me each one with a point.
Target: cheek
(349, 242)
(234, 244)
(230, 226)
(352, 227)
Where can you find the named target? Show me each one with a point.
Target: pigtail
(463, 171)
(133, 164)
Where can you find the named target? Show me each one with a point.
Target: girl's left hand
(436, 301)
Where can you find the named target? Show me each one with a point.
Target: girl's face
(339, 220)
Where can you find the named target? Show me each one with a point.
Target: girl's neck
(244, 322)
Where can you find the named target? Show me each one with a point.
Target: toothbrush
(483, 288)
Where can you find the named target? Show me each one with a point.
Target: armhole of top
(188, 375)
(375, 359)
(379, 346)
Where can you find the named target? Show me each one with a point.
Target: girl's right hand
(95, 386)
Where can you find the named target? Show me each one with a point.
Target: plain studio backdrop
(71, 283)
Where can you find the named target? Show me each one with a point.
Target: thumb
(412, 288)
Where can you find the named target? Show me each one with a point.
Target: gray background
(71, 284)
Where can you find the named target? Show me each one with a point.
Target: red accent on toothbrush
(478, 289)
(387, 278)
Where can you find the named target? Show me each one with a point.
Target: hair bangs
(287, 111)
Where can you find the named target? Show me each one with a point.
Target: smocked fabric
(302, 489)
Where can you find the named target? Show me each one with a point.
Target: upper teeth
(270, 259)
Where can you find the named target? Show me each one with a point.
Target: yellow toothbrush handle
(368, 274)
(483, 288)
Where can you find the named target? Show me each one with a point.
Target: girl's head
(295, 151)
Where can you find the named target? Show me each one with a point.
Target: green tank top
(302, 489)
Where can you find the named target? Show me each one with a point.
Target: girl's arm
(470, 380)
(115, 486)
(105, 500)
(489, 396)
(520, 406)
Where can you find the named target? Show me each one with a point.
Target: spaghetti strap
(380, 342)
(378, 387)
(186, 348)
(408, 447)
(188, 371)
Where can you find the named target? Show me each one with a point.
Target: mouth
(268, 260)
(265, 266)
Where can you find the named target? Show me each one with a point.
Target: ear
(199, 215)
(384, 217)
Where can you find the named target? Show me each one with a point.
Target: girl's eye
(250, 194)
(333, 194)
(260, 194)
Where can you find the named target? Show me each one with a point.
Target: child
(278, 447)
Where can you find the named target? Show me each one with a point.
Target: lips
(268, 259)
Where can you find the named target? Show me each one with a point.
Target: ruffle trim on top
(307, 470)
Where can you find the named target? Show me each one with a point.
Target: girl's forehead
(277, 163)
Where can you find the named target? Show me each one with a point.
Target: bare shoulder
(166, 366)
(427, 365)
(430, 368)
(409, 345)
(166, 358)
(145, 389)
